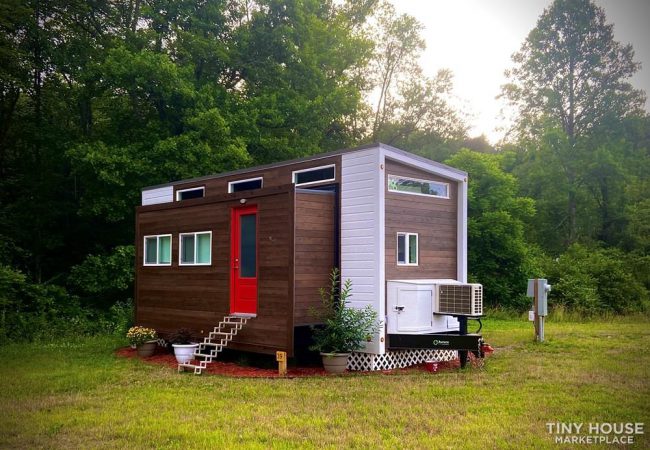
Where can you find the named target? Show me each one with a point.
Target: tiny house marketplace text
(595, 433)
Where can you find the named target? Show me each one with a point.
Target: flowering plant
(139, 335)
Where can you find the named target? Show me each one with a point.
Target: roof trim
(435, 167)
(428, 165)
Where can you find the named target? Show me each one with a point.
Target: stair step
(197, 369)
(214, 344)
(235, 323)
(188, 365)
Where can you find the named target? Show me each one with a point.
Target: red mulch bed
(230, 369)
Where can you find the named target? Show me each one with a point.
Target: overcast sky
(475, 39)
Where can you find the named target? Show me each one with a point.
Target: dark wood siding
(434, 219)
(169, 297)
(276, 176)
(314, 250)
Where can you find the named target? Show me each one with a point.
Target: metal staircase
(215, 342)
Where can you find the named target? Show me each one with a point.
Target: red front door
(243, 260)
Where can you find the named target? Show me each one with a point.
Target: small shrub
(182, 336)
(119, 318)
(595, 281)
(42, 312)
(99, 279)
(344, 329)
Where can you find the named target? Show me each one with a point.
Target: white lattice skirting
(398, 359)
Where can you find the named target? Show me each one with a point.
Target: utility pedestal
(538, 289)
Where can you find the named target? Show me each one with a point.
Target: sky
(476, 38)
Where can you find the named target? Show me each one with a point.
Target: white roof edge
(394, 153)
(423, 163)
(288, 162)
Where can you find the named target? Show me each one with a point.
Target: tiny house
(258, 243)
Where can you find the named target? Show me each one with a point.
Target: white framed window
(157, 250)
(190, 193)
(195, 249)
(245, 185)
(407, 249)
(415, 186)
(314, 175)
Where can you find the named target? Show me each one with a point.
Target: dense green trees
(570, 86)
(98, 99)
(411, 108)
(499, 255)
(582, 148)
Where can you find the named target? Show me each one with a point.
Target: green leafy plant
(139, 335)
(182, 336)
(593, 280)
(344, 328)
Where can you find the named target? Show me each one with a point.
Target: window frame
(196, 242)
(447, 185)
(231, 183)
(144, 250)
(178, 193)
(296, 172)
(407, 249)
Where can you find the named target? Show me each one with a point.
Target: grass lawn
(79, 395)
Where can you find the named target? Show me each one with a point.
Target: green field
(79, 395)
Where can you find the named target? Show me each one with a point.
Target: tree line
(100, 98)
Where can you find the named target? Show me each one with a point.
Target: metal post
(462, 330)
(535, 309)
(540, 335)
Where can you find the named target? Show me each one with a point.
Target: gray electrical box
(543, 288)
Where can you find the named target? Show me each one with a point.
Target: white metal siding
(461, 233)
(158, 195)
(362, 233)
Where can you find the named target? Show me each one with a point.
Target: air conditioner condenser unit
(459, 299)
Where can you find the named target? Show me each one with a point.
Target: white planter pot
(335, 362)
(184, 352)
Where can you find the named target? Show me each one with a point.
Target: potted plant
(144, 340)
(343, 329)
(183, 345)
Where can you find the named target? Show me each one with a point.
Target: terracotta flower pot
(335, 362)
(147, 349)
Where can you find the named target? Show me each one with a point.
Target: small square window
(245, 185)
(188, 194)
(158, 250)
(314, 175)
(407, 249)
(195, 249)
